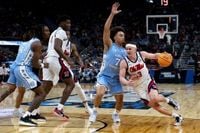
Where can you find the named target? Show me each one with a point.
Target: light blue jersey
(109, 72)
(25, 54)
(21, 73)
(111, 61)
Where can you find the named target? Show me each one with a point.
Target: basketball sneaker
(178, 120)
(174, 104)
(93, 116)
(60, 114)
(38, 118)
(26, 121)
(115, 117)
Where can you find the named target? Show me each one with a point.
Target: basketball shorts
(112, 84)
(144, 89)
(58, 70)
(23, 76)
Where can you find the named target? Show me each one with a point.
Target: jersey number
(117, 61)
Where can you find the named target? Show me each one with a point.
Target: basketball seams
(165, 59)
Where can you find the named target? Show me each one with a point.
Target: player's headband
(131, 45)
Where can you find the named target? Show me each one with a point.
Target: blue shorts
(23, 76)
(112, 84)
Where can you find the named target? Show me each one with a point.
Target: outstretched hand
(115, 8)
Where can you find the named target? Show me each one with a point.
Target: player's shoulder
(35, 42)
(60, 30)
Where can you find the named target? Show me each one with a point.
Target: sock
(95, 108)
(16, 108)
(86, 105)
(80, 92)
(60, 106)
(38, 110)
(35, 111)
(116, 111)
(167, 100)
(27, 113)
(174, 114)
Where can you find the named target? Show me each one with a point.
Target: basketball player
(108, 77)
(142, 83)
(22, 75)
(45, 34)
(59, 64)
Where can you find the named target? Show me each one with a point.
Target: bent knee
(100, 93)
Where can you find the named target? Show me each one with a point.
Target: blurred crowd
(87, 26)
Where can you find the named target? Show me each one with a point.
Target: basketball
(165, 59)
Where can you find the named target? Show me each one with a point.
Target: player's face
(67, 25)
(120, 38)
(46, 32)
(130, 50)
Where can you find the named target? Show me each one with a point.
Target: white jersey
(68, 49)
(60, 34)
(137, 70)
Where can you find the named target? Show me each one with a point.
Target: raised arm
(106, 32)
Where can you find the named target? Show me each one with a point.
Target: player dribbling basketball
(142, 83)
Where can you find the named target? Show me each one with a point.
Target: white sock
(167, 100)
(35, 111)
(80, 92)
(27, 113)
(95, 108)
(60, 106)
(174, 114)
(16, 108)
(116, 111)
(86, 105)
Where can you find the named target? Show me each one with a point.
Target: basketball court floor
(135, 117)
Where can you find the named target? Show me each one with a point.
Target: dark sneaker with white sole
(38, 118)
(26, 121)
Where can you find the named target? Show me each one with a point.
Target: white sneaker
(18, 112)
(89, 110)
(178, 120)
(115, 117)
(93, 116)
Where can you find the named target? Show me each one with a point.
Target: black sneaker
(26, 121)
(174, 104)
(178, 120)
(38, 118)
